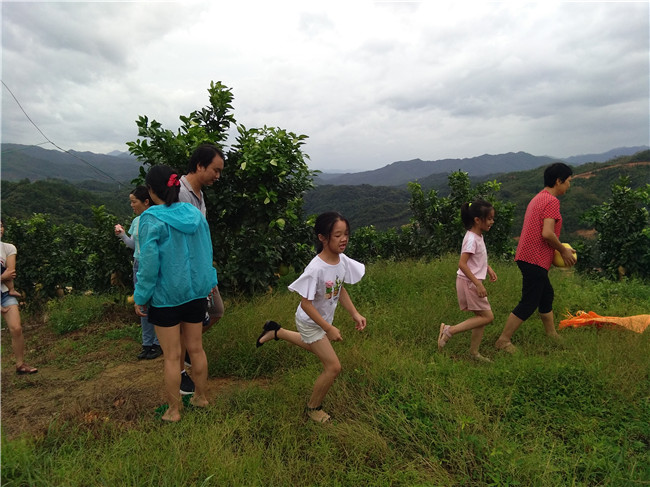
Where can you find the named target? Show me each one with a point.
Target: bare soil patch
(103, 385)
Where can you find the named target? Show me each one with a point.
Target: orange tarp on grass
(636, 323)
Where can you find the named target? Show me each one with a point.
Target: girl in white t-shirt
(477, 217)
(321, 288)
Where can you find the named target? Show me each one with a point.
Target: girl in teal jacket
(174, 278)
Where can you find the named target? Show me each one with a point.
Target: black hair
(476, 209)
(557, 170)
(141, 193)
(164, 182)
(203, 155)
(324, 224)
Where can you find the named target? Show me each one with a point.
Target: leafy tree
(438, 219)
(623, 230)
(436, 227)
(81, 257)
(255, 209)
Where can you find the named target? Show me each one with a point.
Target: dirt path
(120, 392)
(587, 175)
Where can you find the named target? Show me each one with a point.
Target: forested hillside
(591, 186)
(35, 163)
(65, 202)
(381, 206)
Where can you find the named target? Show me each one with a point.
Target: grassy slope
(404, 413)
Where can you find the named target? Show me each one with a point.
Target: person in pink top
(540, 237)
(473, 268)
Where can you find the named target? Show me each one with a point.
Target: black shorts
(191, 312)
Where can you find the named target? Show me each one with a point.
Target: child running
(140, 201)
(477, 217)
(321, 288)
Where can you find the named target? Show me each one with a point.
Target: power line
(51, 142)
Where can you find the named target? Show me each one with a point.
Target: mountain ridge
(401, 172)
(36, 163)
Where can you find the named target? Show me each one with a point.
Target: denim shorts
(8, 300)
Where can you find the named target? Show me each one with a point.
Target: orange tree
(623, 233)
(255, 210)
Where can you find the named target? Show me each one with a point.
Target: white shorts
(309, 332)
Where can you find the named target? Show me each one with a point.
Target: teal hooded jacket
(175, 265)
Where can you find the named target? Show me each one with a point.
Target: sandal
(317, 414)
(480, 358)
(24, 369)
(268, 326)
(508, 348)
(444, 335)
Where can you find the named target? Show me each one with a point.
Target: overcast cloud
(370, 83)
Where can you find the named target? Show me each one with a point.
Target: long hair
(324, 224)
(164, 182)
(476, 209)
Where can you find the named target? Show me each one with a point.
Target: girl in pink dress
(473, 268)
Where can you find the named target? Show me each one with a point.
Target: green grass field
(576, 413)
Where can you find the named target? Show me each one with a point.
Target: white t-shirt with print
(321, 283)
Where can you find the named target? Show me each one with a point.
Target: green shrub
(74, 312)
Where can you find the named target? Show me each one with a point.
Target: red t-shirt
(532, 247)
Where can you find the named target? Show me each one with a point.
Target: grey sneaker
(187, 384)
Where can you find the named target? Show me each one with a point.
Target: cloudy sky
(370, 83)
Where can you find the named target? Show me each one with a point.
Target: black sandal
(268, 326)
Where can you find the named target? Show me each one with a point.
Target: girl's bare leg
(170, 342)
(331, 369)
(11, 314)
(192, 335)
(480, 319)
(288, 336)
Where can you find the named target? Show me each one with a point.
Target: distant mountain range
(401, 172)
(35, 163)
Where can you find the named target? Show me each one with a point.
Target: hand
(360, 322)
(334, 334)
(568, 256)
(119, 230)
(492, 274)
(481, 291)
(140, 310)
